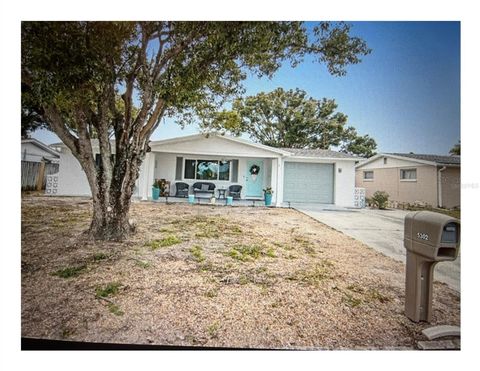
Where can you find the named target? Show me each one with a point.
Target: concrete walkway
(380, 229)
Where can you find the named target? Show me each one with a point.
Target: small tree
(380, 199)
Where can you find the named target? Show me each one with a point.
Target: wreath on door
(254, 170)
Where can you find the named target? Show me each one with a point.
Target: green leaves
(190, 65)
(455, 149)
(336, 48)
(290, 119)
(363, 146)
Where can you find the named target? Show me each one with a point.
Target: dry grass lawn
(212, 276)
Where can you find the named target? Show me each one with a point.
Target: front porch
(222, 161)
(204, 201)
(252, 174)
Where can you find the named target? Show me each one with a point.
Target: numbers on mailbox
(422, 236)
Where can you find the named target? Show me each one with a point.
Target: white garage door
(307, 182)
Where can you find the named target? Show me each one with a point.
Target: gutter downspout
(439, 187)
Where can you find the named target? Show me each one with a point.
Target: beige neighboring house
(409, 177)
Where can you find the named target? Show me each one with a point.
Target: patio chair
(234, 191)
(181, 189)
(204, 187)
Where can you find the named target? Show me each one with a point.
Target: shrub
(380, 199)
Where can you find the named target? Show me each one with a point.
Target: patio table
(221, 193)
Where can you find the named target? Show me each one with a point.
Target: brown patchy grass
(212, 276)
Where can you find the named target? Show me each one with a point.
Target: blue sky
(405, 94)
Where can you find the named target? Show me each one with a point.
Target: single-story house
(295, 175)
(35, 151)
(410, 178)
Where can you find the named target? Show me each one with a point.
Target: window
(189, 169)
(384, 160)
(224, 170)
(408, 174)
(368, 175)
(207, 170)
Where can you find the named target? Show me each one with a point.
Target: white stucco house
(295, 175)
(33, 150)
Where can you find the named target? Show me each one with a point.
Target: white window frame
(368, 179)
(405, 179)
(205, 180)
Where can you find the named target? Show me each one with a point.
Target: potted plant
(268, 195)
(163, 185)
(156, 189)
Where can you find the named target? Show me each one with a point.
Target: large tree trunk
(110, 222)
(112, 196)
(111, 182)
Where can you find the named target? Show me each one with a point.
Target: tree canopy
(455, 150)
(116, 80)
(291, 119)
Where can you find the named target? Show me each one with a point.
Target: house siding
(344, 183)
(72, 180)
(388, 179)
(450, 178)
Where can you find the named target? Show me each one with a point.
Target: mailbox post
(429, 238)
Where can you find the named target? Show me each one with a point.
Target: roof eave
(379, 155)
(226, 137)
(325, 158)
(42, 146)
(448, 165)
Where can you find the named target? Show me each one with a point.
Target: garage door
(307, 182)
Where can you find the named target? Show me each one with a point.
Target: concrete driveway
(380, 229)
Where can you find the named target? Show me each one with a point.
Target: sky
(405, 94)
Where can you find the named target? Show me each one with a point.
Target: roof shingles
(441, 160)
(326, 153)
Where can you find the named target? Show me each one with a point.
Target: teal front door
(254, 178)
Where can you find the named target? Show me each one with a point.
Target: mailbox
(429, 238)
